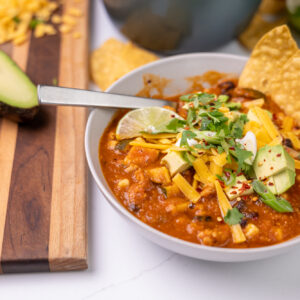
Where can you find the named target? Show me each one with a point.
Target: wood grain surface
(43, 173)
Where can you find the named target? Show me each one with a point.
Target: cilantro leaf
(223, 98)
(203, 146)
(233, 216)
(228, 177)
(233, 105)
(241, 155)
(175, 124)
(188, 157)
(191, 116)
(34, 22)
(185, 98)
(215, 116)
(237, 127)
(16, 19)
(187, 134)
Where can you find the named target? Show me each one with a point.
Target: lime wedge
(149, 119)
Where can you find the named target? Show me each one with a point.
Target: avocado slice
(271, 160)
(18, 95)
(175, 162)
(241, 187)
(282, 181)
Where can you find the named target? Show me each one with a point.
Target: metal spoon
(52, 95)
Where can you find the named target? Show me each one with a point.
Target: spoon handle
(52, 95)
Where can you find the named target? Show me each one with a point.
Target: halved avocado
(18, 95)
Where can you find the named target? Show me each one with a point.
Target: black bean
(251, 215)
(191, 205)
(241, 205)
(243, 223)
(133, 207)
(208, 218)
(225, 86)
(288, 143)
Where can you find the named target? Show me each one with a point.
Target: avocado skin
(16, 114)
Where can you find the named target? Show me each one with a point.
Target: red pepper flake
(233, 192)
(271, 183)
(239, 181)
(270, 151)
(173, 116)
(271, 168)
(241, 173)
(278, 155)
(221, 183)
(231, 148)
(234, 187)
(186, 127)
(264, 159)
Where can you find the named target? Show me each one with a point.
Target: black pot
(180, 26)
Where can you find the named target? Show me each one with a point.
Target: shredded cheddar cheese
(19, 17)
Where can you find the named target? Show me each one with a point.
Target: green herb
(34, 22)
(203, 146)
(122, 144)
(188, 158)
(215, 116)
(241, 155)
(162, 190)
(185, 98)
(228, 177)
(191, 116)
(233, 105)
(16, 19)
(277, 203)
(233, 216)
(223, 98)
(237, 127)
(187, 134)
(175, 124)
(205, 98)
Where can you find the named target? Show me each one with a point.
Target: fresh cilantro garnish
(188, 158)
(203, 146)
(223, 98)
(234, 105)
(237, 127)
(34, 22)
(228, 177)
(233, 216)
(191, 116)
(185, 98)
(175, 124)
(215, 116)
(16, 19)
(187, 134)
(241, 155)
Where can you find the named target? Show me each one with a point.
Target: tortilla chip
(115, 59)
(271, 52)
(285, 88)
(257, 28)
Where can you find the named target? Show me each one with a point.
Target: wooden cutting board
(43, 187)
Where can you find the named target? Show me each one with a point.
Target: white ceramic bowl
(176, 68)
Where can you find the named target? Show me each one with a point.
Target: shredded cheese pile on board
(18, 17)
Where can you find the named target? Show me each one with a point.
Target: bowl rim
(119, 207)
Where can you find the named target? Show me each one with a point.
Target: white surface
(123, 265)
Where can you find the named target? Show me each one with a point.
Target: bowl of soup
(199, 179)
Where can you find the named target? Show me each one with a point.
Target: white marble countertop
(123, 265)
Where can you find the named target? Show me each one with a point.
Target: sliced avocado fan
(18, 95)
